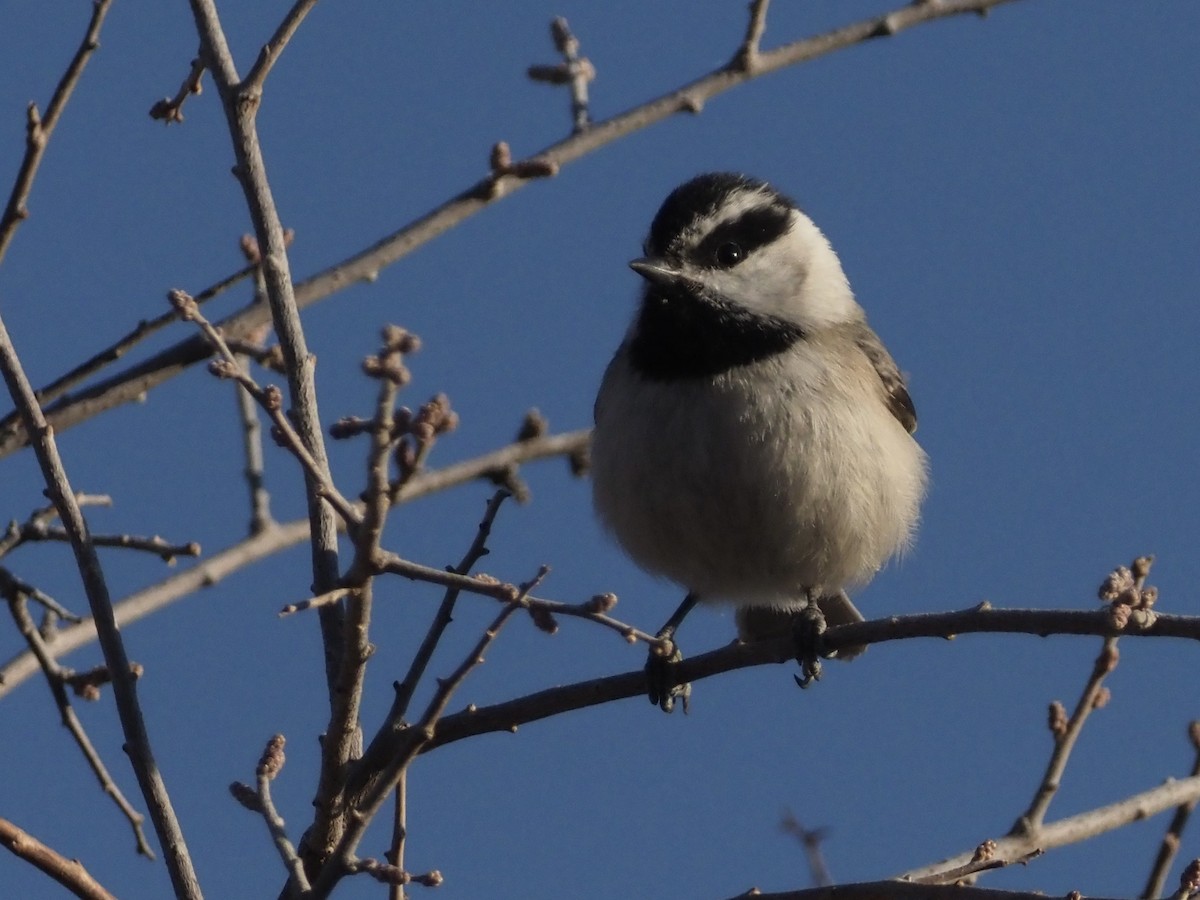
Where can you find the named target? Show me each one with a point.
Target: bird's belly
(753, 502)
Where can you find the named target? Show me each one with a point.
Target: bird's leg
(660, 665)
(808, 629)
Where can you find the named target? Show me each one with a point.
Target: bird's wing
(894, 388)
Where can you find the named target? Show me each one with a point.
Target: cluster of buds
(418, 431)
(1128, 596)
(272, 759)
(86, 685)
(389, 361)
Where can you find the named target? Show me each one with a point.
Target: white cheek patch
(797, 278)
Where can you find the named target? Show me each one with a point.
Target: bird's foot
(661, 683)
(808, 631)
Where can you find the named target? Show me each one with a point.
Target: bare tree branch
(154, 790)
(257, 547)
(1074, 829)
(56, 678)
(507, 716)
(70, 873)
(271, 51)
(1171, 840)
(39, 128)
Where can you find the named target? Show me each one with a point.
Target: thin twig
(170, 109)
(70, 873)
(1174, 834)
(399, 834)
(269, 398)
(1066, 734)
(984, 859)
(19, 533)
(268, 768)
(575, 71)
(1080, 827)
(383, 745)
(170, 836)
(486, 586)
(747, 57)
(271, 51)
(55, 678)
(240, 107)
(252, 448)
(154, 544)
(144, 329)
(39, 128)
(10, 584)
(218, 566)
(368, 804)
(366, 264)
(420, 661)
(810, 839)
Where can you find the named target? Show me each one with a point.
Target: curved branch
(365, 265)
(70, 873)
(509, 715)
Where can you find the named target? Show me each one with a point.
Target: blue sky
(1016, 201)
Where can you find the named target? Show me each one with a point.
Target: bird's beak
(656, 271)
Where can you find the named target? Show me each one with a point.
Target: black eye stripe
(752, 229)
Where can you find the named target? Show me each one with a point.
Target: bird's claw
(662, 687)
(808, 631)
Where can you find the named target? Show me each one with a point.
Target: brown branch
(137, 741)
(168, 552)
(594, 610)
(1093, 697)
(170, 109)
(420, 661)
(39, 128)
(341, 636)
(229, 366)
(56, 678)
(252, 448)
(17, 534)
(984, 859)
(269, 55)
(366, 264)
(507, 716)
(70, 873)
(255, 548)
(11, 585)
(897, 890)
(144, 329)
(574, 71)
(368, 801)
(395, 855)
(1081, 827)
(268, 768)
(747, 57)
(1174, 834)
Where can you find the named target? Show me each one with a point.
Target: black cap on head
(701, 197)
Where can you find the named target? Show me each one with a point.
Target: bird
(753, 438)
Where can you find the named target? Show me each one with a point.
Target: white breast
(761, 483)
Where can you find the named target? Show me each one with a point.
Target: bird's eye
(729, 255)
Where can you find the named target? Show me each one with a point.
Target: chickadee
(753, 437)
